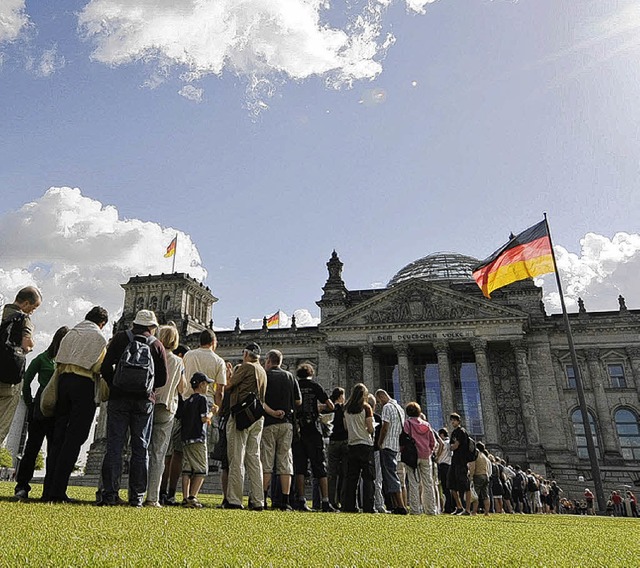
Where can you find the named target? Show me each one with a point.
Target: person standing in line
(480, 470)
(281, 398)
(40, 427)
(310, 446)
(458, 477)
(78, 364)
(443, 459)
(378, 495)
(196, 417)
(243, 446)
(337, 451)
(358, 419)
(422, 497)
(26, 302)
(164, 411)
(392, 423)
(131, 411)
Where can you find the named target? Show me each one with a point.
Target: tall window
(616, 376)
(427, 378)
(628, 434)
(391, 377)
(166, 303)
(571, 377)
(153, 303)
(581, 438)
(467, 396)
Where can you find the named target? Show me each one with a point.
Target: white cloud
(604, 269)
(78, 252)
(48, 63)
(13, 19)
(265, 41)
(303, 319)
(192, 93)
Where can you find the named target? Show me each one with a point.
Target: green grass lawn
(38, 534)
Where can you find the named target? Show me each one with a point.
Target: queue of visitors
(175, 407)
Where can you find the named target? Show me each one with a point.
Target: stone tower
(173, 297)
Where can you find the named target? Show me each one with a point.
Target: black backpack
(135, 370)
(532, 484)
(472, 451)
(12, 357)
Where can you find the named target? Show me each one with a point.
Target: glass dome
(448, 266)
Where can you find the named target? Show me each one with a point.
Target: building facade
(430, 336)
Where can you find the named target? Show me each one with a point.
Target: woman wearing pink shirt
(422, 498)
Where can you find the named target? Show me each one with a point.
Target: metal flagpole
(591, 448)
(175, 253)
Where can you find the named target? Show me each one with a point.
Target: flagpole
(278, 318)
(175, 253)
(591, 449)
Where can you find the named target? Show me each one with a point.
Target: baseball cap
(253, 348)
(199, 378)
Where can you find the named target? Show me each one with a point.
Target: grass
(38, 534)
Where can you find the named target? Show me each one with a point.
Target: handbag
(247, 412)
(408, 449)
(49, 396)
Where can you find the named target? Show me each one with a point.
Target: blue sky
(476, 119)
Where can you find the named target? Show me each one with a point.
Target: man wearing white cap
(134, 366)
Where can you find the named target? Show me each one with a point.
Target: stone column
(487, 395)
(604, 420)
(446, 384)
(634, 357)
(407, 383)
(368, 377)
(534, 449)
(334, 353)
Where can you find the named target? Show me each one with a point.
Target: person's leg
(160, 437)
(79, 392)
(9, 399)
(428, 497)
(253, 464)
(378, 496)
(140, 425)
(236, 447)
(117, 426)
(413, 482)
(268, 445)
(284, 462)
(196, 485)
(37, 431)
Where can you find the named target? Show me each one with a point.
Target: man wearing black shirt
(310, 446)
(281, 398)
(458, 476)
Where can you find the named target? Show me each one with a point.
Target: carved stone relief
(419, 305)
(502, 364)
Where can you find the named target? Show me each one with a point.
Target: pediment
(418, 301)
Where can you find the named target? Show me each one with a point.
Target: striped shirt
(394, 415)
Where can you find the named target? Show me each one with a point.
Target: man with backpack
(16, 340)
(134, 366)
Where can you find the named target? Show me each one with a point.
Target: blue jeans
(135, 416)
(389, 466)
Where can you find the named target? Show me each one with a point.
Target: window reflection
(467, 396)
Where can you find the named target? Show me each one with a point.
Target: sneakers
(465, 514)
(328, 508)
(285, 507)
(20, 496)
(253, 507)
(303, 507)
(192, 503)
(400, 511)
(228, 505)
(458, 512)
(152, 505)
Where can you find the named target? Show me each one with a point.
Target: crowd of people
(176, 408)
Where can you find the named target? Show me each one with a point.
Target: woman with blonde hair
(164, 412)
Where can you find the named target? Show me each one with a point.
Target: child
(196, 414)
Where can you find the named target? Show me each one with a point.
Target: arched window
(167, 303)
(581, 438)
(153, 303)
(139, 303)
(628, 434)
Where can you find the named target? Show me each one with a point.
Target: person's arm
(368, 418)
(160, 365)
(32, 370)
(454, 442)
(107, 369)
(383, 433)
(27, 336)
(279, 414)
(182, 383)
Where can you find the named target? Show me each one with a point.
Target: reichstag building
(431, 336)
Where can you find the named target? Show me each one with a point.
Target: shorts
(195, 460)
(481, 485)
(275, 447)
(457, 478)
(175, 442)
(310, 448)
(389, 466)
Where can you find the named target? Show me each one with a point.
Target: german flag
(171, 249)
(526, 255)
(274, 319)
